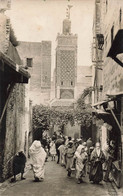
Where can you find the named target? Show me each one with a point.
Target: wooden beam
(113, 114)
(7, 100)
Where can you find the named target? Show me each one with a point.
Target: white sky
(37, 20)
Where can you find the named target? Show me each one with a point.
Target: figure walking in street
(58, 142)
(69, 157)
(62, 154)
(81, 159)
(37, 156)
(97, 159)
(53, 150)
(19, 162)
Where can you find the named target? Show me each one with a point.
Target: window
(120, 16)
(112, 34)
(71, 83)
(61, 82)
(29, 62)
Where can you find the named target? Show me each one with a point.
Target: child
(53, 150)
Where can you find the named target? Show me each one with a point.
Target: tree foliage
(83, 112)
(44, 117)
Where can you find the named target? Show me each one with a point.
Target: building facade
(14, 127)
(36, 58)
(108, 72)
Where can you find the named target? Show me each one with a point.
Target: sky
(37, 20)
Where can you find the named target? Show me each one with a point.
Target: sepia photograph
(61, 97)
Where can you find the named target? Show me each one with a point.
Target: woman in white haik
(38, 156)
(81, 158)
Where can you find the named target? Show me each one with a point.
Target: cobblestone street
(56, 183)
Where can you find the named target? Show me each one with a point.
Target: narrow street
(56, 183)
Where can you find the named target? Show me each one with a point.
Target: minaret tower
(66, 60)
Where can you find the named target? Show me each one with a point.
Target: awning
(117, 47)
(13, 54)
(111, 96)
(115, 94)
(109, 108)
(99, 111)
(100, 103)
(13, 71)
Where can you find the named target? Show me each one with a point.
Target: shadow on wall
(86, 132)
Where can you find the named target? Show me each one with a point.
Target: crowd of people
(78, 157)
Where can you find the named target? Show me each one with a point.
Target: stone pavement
(56, 183)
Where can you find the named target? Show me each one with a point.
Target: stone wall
(112, 72)
(46, 65)
(14, 127)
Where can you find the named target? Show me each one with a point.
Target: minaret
(66, 60)
(66, 22)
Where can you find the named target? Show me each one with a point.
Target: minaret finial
(68, 11)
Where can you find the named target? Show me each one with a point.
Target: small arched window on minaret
(62, 83)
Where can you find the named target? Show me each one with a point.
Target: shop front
(108, 116)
